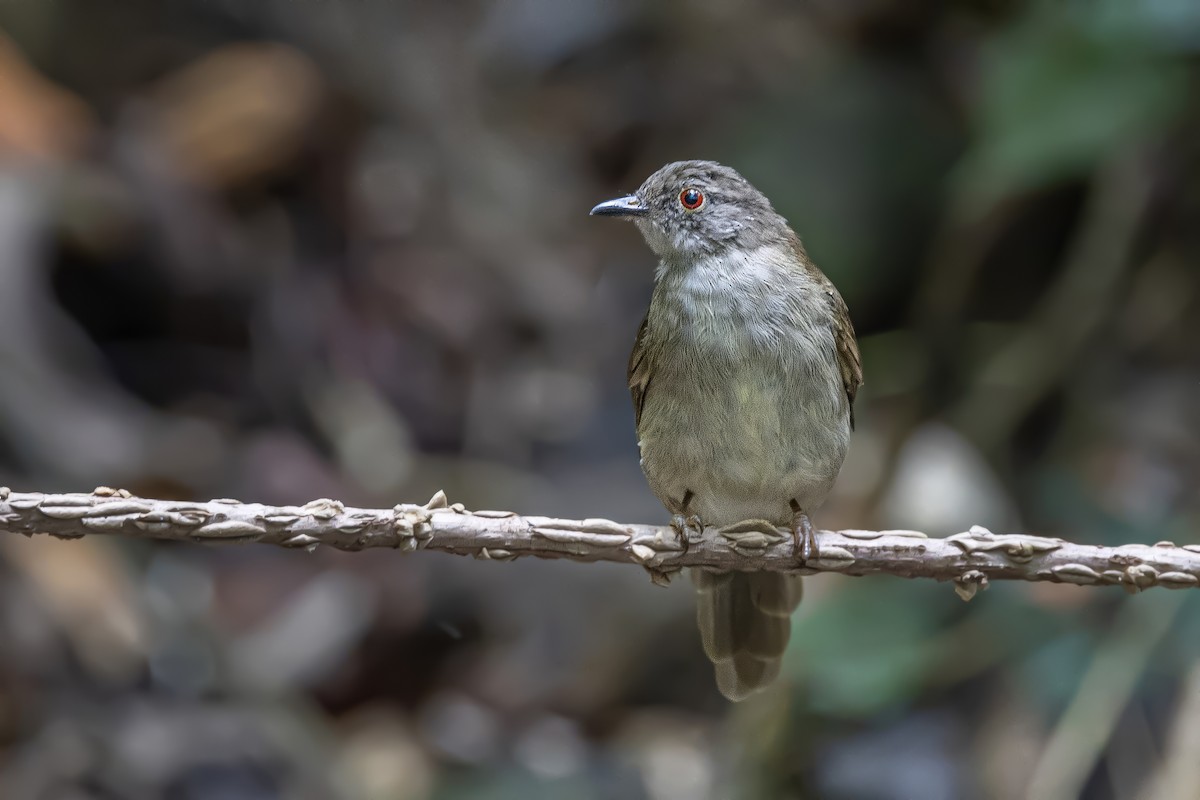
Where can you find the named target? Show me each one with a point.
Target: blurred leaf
(1065, 502)
(1050, 674)
(513, 784)
(1171, 23)
(1182, 649)
(1059, 94)
(881, 643)
(871, 645)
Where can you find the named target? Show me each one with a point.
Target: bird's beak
(629, 206)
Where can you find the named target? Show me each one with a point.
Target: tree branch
(969, 559)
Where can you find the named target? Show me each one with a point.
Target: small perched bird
(743, 377)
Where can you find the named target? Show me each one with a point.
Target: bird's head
(694, 209)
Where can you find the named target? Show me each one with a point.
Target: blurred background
(293, 249)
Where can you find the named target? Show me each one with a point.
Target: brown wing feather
(639, 373)
(849, 361)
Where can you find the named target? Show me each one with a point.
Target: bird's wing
(639, 372)
(849, 361)
(844, 341)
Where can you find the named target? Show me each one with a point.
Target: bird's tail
(745, 621)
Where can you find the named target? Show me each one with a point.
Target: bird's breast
(745, 409)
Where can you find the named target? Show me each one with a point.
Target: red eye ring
(691, 198)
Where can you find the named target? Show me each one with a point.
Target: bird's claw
(684, 527)
(804, 538)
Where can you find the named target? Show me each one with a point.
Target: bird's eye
(691, 199)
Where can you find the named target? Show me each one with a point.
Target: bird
(743, 377)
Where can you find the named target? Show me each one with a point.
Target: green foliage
(1060, 92)
(871, 646)
(514, 784)
(879, 644)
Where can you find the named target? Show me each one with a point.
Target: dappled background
(293, 249)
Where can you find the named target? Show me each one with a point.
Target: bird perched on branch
(743, 377)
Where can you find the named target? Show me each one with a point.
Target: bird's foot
(804, 537)
(685, 527)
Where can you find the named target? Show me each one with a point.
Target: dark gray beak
(629, 206)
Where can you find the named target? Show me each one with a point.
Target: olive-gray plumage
(743, 378)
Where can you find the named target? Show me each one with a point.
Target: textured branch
(969, 559)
